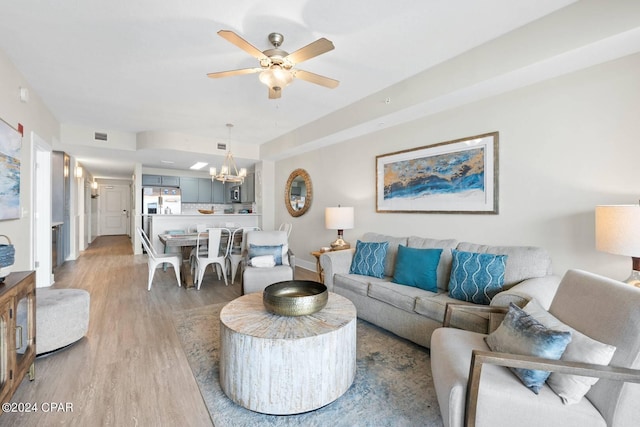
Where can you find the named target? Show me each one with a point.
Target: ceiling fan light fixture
(276, 77)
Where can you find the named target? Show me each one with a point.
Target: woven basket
(7, 253)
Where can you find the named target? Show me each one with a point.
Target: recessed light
(198, 165)
(169, 162)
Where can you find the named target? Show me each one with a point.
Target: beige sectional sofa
(414, 313)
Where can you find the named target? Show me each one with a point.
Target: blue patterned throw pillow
(476, 277)
(520, 333)
(369, 258)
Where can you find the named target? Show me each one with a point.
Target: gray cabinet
(248, 189)
(152, 180)
(204, 190)
(160, 181)
(199, 190)
(189, 190)
(217, 192)
(170, 181)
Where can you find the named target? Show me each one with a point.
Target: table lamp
(618, 232)
(339, 218)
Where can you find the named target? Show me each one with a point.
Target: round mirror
(298, 192)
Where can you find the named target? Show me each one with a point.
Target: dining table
(186, 242)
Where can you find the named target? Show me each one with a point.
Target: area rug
(393, 384)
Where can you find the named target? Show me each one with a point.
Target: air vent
(222, 146)
(100, 136)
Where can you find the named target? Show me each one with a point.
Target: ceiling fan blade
(316, 78)
(275, 93)
(232, 37)
(234, 72)
(311, 50)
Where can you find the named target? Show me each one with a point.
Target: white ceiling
(134, 66)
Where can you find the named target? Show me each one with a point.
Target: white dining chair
(172, 250)
(237, 249)
(154, 259)
(286, 226)
(216, 258)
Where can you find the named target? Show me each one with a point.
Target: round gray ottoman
(62, 317)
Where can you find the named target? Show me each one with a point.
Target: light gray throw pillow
(571, 388)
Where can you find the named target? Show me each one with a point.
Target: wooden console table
(286, 365)
(18, 354)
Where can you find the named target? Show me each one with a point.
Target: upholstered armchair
(475, 388)
(262, 245)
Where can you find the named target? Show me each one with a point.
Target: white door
(41, 205)
(114, 209)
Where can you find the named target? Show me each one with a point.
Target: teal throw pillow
(476, 277)
(368, 259)
(275, 250)
(520, 333)
(417, 267)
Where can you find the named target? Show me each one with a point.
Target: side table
(286, 365)
(319, 269)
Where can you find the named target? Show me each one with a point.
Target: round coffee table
(286, 365)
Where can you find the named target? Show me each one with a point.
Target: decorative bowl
(205, 211)
(295, 297)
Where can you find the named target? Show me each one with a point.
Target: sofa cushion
(434, 307)
(369, 258)
(476, 277)
(392, 250)
(525, 262)
(444, 267)
(399, 296)
(417, 267)
(356, 283)
(520, 333)
(571, 388)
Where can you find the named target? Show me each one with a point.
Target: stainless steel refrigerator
(159, 201)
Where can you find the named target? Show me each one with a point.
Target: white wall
(566, 145)
(35, 117)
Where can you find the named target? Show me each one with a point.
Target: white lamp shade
(618, 229)
(338, 218)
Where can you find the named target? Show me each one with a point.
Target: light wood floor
(130, 369)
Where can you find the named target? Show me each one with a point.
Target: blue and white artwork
(10, 145)
(456, 176)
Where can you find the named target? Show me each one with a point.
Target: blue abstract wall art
(10, 145)
(453, 177)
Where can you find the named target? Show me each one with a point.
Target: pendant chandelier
(228, 172)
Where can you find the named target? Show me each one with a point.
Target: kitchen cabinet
(204, 190)
(189, 189)
(199, 190)
(217, 192)
(248, 189)
(152, 180)
(15, 364)
(160, 181)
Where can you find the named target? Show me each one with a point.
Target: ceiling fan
(277, 66)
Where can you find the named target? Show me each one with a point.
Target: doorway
(114, 209)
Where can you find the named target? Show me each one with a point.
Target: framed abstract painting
(459, 176)
(10, 145)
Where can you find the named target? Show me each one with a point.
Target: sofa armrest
(479, 358)
(496, 313)
(543, 289)
(335, 262)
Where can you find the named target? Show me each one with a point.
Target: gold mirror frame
(298, 173)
